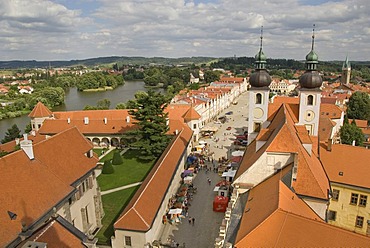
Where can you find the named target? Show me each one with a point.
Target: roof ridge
(142, 218)
(150, 180)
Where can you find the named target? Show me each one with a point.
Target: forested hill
(16, 64)
(226, 63)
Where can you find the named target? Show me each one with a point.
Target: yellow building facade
(349, 208)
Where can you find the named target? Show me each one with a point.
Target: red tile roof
(274, 216)
(191, 114)
(40, 110)
(360, 123)
(31, 188)
(288, 138)
(139, 215)
(352, 161)
(54, 234)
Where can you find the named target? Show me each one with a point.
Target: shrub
(117, 159)
(107, 168)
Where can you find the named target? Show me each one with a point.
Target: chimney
(128, 119)
(33, 133)
(167, 121)
(105, 120)
(69, 120)
(86, 120)
(330, 142)
(354, 143)
(26, 146)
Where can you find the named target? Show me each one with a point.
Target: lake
(76, 100)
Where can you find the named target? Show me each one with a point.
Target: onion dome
(311, 78)
(260, 78)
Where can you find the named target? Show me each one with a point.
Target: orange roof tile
(284, 229)
(30, 188)
(311, 178)
(352, 161)
(99, 122)
(325, 128)
(360, 123)
(191, 114)
(330, 110)
(40, 110)
(54, 234)
(139, 215)
(273, 209)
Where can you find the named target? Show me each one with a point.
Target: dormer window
(90, 154)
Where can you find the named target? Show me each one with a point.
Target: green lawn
(107, 156)
(130, 171)
(113, 204)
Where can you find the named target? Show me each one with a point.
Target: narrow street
(207, 222)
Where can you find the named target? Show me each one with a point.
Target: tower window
(258, 98)
(257, 127)
(310, 100)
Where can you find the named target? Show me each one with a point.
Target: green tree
(103, 104)
(28, 128)
(151, 137)
(359, 106)
(121, 105)
(11, 134)
(117, 159)
(350, 133)
(211, 76)
(107, 167)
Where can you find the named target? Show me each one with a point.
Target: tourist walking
(193, 220)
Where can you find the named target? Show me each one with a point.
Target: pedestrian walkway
(120, 188)
(207, 222)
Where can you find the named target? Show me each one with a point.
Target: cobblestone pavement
(207, 222)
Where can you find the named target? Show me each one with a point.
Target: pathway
(120, 188)
(207, 222)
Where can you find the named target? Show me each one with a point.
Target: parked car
(228, 128)
(229, 113)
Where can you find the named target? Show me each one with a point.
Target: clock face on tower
(310, 115)
(257, 113)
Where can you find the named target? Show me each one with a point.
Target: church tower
(258, 95)
(310, 93)
(346, 72)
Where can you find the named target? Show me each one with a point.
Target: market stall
(220, 203)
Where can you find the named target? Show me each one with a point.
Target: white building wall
(86, 200)
(318, 206)
(266, 165)
(140, 239)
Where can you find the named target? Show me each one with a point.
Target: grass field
(130, 171)
(113, 203)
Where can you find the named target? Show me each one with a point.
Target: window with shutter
(84, 219)
(90, 182)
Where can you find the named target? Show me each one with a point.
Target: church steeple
(311, 78)
(312, 59)
(258, 95)
(260, 78)
(260, 58)
(346, 72)
(310, 93)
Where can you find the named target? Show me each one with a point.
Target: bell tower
(310, 92)
(258, 95)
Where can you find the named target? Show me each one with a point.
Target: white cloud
(43, 29)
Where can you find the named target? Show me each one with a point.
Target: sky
(79, 29)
